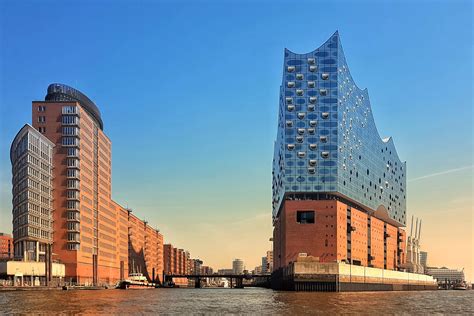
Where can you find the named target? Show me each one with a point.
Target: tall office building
(31, 155)
(338, 187)
(86, 229)
(424, 259)
(62, 196)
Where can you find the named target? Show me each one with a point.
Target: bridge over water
(238, 278)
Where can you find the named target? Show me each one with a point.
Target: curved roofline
(384, 140)
(58, 89)
(330, 37)
(20, 132)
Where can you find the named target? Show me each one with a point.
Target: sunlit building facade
(31, 156)
(62, 196)
(339, 189)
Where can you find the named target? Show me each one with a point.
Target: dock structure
(236, 280)
(342, 277)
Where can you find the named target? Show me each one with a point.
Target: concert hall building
(339, 189)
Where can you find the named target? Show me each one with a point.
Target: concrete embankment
(342, 277)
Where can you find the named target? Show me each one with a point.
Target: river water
(235, 301)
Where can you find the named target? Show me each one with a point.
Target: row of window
(311, 68)
(312, 123)
(70, 141)
(312, 100)
(311, 83)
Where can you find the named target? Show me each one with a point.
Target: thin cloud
(440, 173)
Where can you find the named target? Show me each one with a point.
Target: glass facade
(327, 141)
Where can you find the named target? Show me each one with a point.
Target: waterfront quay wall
(342, 277)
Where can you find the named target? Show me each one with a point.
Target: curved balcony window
(73, 216)
(290, 107)
(73, 237)
(301, 131)
(323, 139)
(289, 123)
(290, 146)
(301, 115)
(311, 107)
(325, 76)
(301, 154)
(299, 139)
(291, 68)
(313, 99)
(312, 162)
(291, 84)
(313, 146)
(312, 68)
(313, 123)
(311, 170)
(325, 154)
(299, 76)
(311, 131)
(299, 92)
(311, 84)
(325, 115)
(73, 226)
(311, 61)
(289, 100)
(323, 92)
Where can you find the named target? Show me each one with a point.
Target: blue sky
(189, 92)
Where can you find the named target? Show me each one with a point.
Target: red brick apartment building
(176, 261)
(6, 246)
(98, 240)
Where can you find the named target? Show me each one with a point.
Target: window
(311, 107)
(311, 84)
(291, 68)
(325, 115)
(41, 119)
(313, 123)
(299, 92)
(289, 123)
(291, 146)
(301, 115)
(323, 91)
(305, 217)
(323, 139)
(41, 108)
(289, 100)
(311, 61)
(312, 170)
(301, 154)
(299, 76)
(312, 99)
(291, 107)
(313, 146)
(299, 139)
(325, 76)
(291, 84)
(312, 68)
(69, 109)
(301, 131)
(311, 131)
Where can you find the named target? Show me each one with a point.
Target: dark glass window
(305, 217)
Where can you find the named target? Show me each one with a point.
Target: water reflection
(250, 300)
